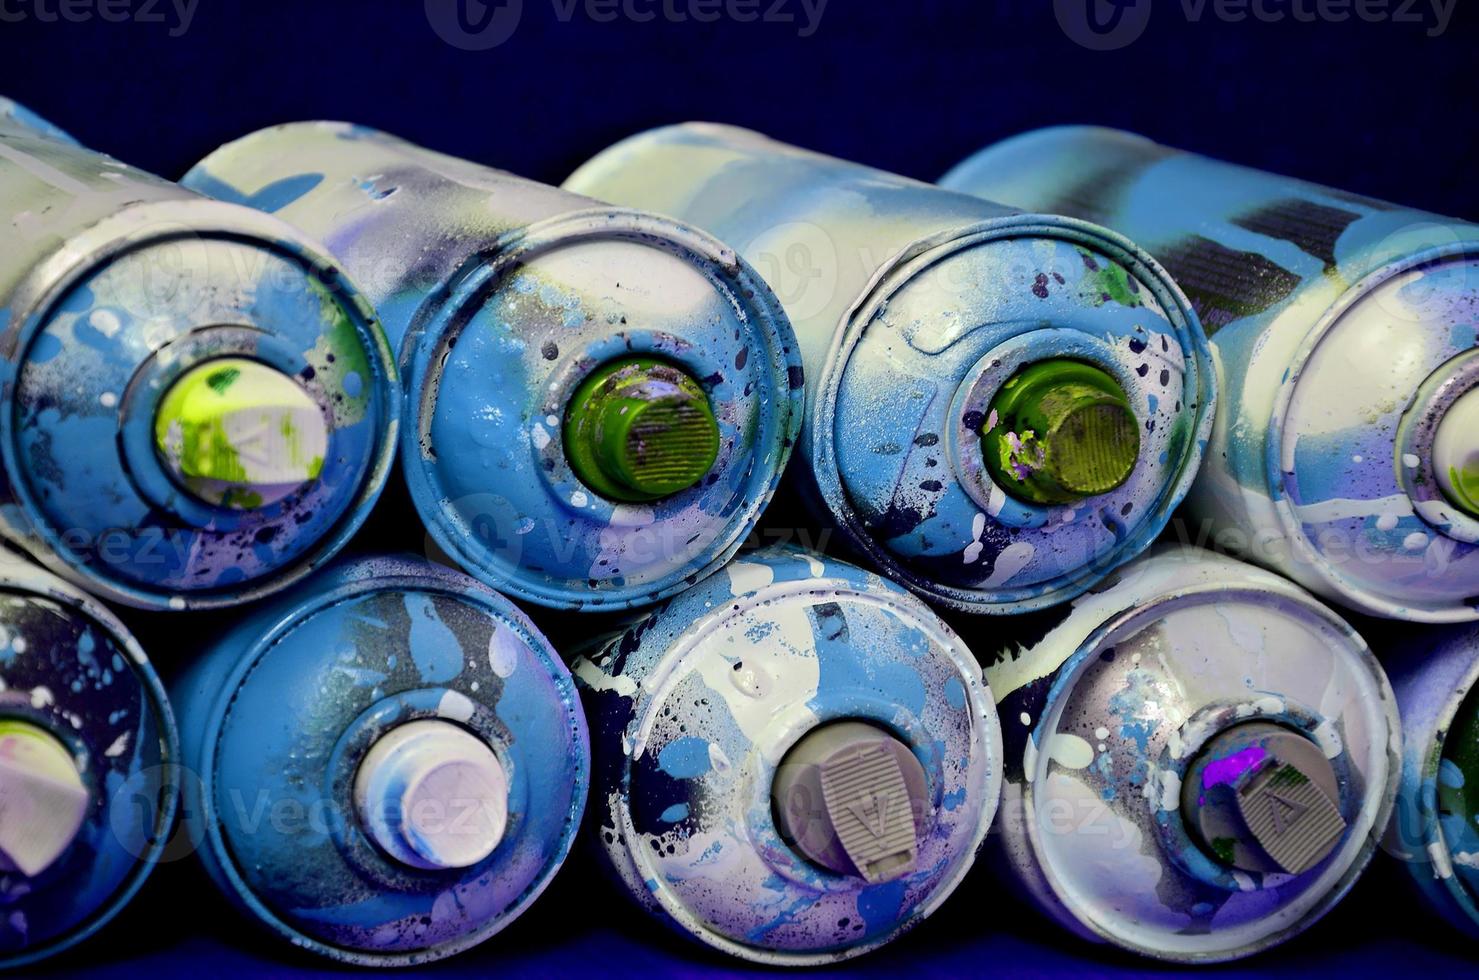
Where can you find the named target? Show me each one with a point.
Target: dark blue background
(1379, 108)
(1382, 109)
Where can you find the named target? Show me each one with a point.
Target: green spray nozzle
(639, 429)
(239, 434)
(1059, 431)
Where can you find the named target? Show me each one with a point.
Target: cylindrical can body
(505, 295)
(284, 716)
(119, 290)
(696, 710)
(73, 678)
(1112, 713)
(1344, 335)
(1435, 831)
(915, 308)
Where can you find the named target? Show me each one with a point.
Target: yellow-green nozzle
(44, 798)
(639, 429)
(239, 434)
(1060, 431)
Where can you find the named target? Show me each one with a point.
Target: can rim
(1303, 552)
(1360, 859)
(427, 577)
(737, 282)
(820, 449)
(983, 705)
(47, 282)
(50, 586)
(1433, 836)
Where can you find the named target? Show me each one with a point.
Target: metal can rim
(433, 578)
(743, 287)
(1359, 599)
(820, 450)
(90, 608)
(48, 281)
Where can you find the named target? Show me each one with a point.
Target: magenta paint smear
(1220, 772)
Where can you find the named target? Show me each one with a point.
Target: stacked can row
(791, 759)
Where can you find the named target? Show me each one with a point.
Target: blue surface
(1381, 109)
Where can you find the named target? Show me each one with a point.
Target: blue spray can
(1200, 759)
(1435, 832)
(88, 764)
(796, 760)
(196, 406)
(1346, 453)
(388, 766)
(1002, 407)
(599, 401)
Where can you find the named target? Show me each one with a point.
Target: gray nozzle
(851, 798)
(1262, 797)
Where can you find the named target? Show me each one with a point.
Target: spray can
(1002, 407)
(795, 760)
(1200, 758)
(389, 765)
(88, 765)
(1346, 453)
(1435, 832)
(196, 406)
(599, 401)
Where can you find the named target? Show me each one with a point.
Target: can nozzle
(239, 434)
(849, 797)
(1456, 453)
(432, 795)
(1061, 431)
(1261, 797)
(639, 430)
(43, 800)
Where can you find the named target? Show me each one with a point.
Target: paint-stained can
(1435, 831)
(1002, 407)
(599, 401)
(1200, 758)
(1346, 450)
(196, 407)
(387, 767)
(795, 760)
(88, 764)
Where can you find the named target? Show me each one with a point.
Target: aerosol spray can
(388, 766)
(88, 764)
(196, 406)
(1346, 452)
(1200, 759)
(1002, 407)
(795, 760)
(599, 401)
(1435, 831)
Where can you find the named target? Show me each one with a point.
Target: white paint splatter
(119, 746)
(456, 706)
(1070, 751)
(504, 649)
(746, 577)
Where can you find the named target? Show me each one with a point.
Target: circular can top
(88, 764)
(112, 420)
(603, 405)
(431, 729)
(723, 716)
(1014, 409)
(1371, 452)
(1234, 739)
